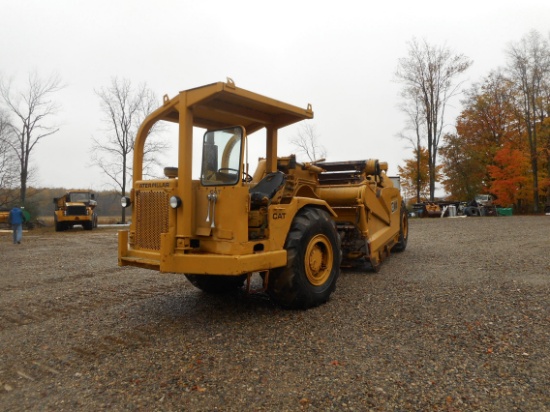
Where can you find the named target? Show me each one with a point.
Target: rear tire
(313, 262)
(403, 230)
(216, 284)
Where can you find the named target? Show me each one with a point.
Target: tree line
(27, 116)
(501, 138)
(40, 203)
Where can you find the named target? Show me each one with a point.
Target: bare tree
(307, 142)
(429, 74)
(416, 123)
(33, 109)
(529, 68)
(8, 164)
(124, 109)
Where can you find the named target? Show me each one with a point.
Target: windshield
(79, 197)
(221, 157)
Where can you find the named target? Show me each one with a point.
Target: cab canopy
(220, 105)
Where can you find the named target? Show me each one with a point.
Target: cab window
(221, 157)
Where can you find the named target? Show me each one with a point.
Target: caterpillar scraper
(294, 223)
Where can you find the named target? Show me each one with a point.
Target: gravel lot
(460, 321)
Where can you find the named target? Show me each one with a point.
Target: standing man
(16, 220)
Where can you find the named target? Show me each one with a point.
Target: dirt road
(460, 321)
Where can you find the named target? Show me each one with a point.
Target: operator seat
(263, 192)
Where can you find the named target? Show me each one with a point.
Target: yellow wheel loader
(293, 223)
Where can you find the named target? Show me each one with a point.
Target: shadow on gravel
(198, 306)
(191, 305)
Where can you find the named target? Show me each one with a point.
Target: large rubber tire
(216, 283)
(313, 262)
(59, 226)
(403, 230)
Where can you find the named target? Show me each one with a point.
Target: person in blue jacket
(16, 220)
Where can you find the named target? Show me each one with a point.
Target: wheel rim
(318, 260)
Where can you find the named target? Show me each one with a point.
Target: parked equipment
(292, 222)
(75, 208)
(4, 217)
(482, 205)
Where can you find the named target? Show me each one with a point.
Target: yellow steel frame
(214, 106)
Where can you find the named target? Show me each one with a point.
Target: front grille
(76, 210)
(151, 218)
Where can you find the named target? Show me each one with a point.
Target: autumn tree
(429, 74)
(462, 171)
(412, 182)
(510, 176)
(306, 142)
(529, 69)
(487, 122)
(32, 113)
(124, 108)
(544, 180)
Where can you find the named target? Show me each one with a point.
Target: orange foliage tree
(510, 174)
(529, 70)
(486, 124)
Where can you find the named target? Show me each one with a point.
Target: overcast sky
(339, 56)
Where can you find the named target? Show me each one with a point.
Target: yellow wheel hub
(319, 259)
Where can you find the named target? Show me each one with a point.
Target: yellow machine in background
(75, 208)
(4, 217)
(294, 223)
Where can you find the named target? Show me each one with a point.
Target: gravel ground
(460, 321)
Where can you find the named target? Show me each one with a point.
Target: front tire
(59, 226)
(313, 262)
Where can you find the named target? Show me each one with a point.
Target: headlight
(125, 201)
(175, 202)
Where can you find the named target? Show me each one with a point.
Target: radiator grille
(76, 210)
(151, 218)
